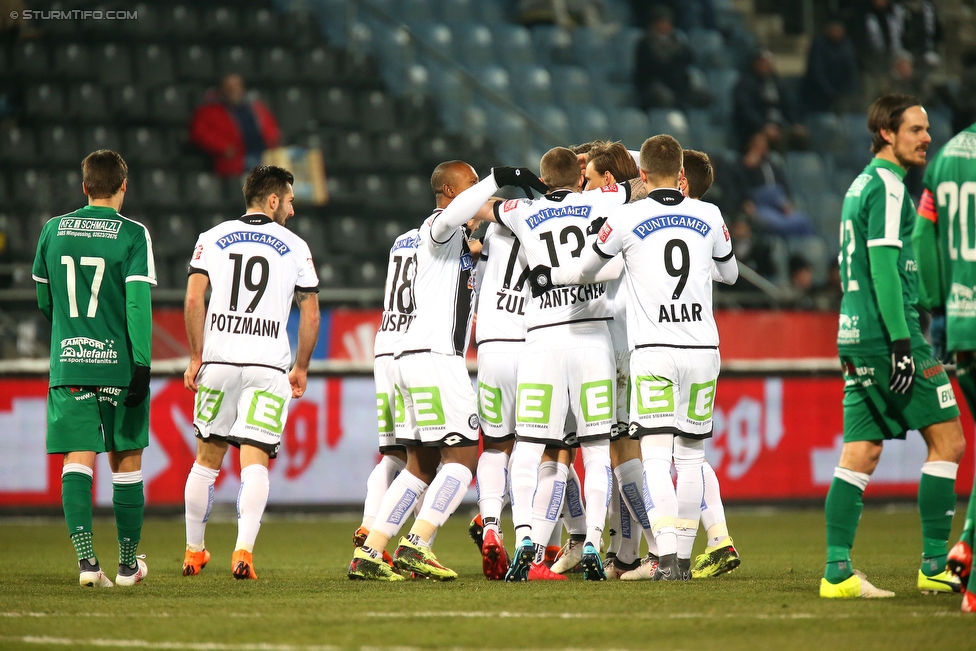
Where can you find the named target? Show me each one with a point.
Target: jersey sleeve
(198, 261)
(609, 241)
(507, 213)
(722, 244)
(884, 208)
(39, 271)
(308, 278)
(141, 266)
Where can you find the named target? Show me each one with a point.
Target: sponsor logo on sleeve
(511, 204)
(725, 232)
(197, 251)
(609, 188)
(605, 232)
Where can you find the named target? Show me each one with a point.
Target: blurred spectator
(963, 101)
(762, 103)
(563, 13)
(801, 281)
(691, 14)
(752, 250)
(831, 80)
(7, 258)
(902, 79)
(921, 33)
(764, 183)
(662, 75)
(233, 128)
(876, 30)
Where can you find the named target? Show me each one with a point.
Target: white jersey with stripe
(443, 293)
(503, 288)
(255, 266)
(398, 293)
(669, 243)
(552, 231)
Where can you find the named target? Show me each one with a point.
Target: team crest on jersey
(511, 204)
(609, 188)
(467, 262)
(605, 232)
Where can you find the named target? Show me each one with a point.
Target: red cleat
(968, 602)
(494, 558)
(960, 560)
(539, 572)
(552, 552)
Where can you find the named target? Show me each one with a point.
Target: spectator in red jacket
(234, 129)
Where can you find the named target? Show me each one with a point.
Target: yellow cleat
(716, 560)
(945, 582)
(857, 585)
(365, 567)
(419, 559)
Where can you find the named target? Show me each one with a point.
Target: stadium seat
(826, 133)
(59, 146)
(348, 234)
(98, 137)
(332, 274)
(450, 86)
(555, 120)
(631, 126)
(353, 152)
(590, 47)
(30, 61)
(31, 188)
(435, 149)
(336, 107)
(146, 146)
(344, 190)
(624, 44)
(492, 12)
(66, 188)
(205, 188)
(807, 173)
(720, 84)
(532, 84)
(433, 36)
(708, 47)
(513, 43)
(670, 121)
(474, 45)
(412, 80)
(196, 63)
(170, 105)
(386, 232)
(182, 23)
(295, 111)
(571, 85)
(812, 249)
(264, 25)
(319, 65)
(367, 274)
(413, 193)
(393, 47)
(377, 111)
(128, 103)
(703, 134)
(73, 62)
(153, 66)
(507, 129)
(312, 230)
(44, 101)
(87, 104)
(395, 152)
(160, 188)
(414, 12)
(940, 128)
(553, 45)
(236, 59)
(222, 23)
(114, 63)
(474, 120)
(495, 78)
(588, 123)
(17, 146)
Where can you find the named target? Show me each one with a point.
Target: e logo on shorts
(596, 398)
(399, 416)
(427, 406)
(208, 403)
(702, 400)
(490, 404)
(384, 415)
(655, 395)
(266, 412)
(534, 402)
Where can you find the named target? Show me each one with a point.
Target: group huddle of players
(593, 319)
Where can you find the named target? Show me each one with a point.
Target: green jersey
(877, 212)
(83, 265)
(949, 202)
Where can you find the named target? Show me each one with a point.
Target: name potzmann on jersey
(561, 296)
(244, 325)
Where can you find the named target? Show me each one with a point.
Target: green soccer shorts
(93, 419)
(872, 412)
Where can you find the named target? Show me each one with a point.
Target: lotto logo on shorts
(702, 400)
(490, 404)
(384, 414)
(946, 396)
(427, 406)
(266, 412)
(655, 395)
(534, 402)
(208, 403)
(596, 399)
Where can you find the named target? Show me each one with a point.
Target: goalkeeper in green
(943, 239)
(892, 384)
(93, 269)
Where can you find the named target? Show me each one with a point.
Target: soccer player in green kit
(947, 270)
(892, 383)
(93, 270)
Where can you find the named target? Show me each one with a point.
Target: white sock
(526, 458)
(629, 549)
(713, 511)
(251, 502)
(445, 493)
(689, 455)
(616, 519)
(377, 484)
(661, 501)
(492, 480)
(596, 463)
(123, 478)
(556, 537)
(546, 504)
(198, 500)
(574, 515)
(398, 503)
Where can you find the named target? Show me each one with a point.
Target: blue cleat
(521, 562)
(591, 564)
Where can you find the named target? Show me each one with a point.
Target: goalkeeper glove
(521, 177)
(138, 387)
(902, 366)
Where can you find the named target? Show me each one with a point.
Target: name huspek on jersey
(552, 231)
(254, 268)
(503, 292)
(398, 294)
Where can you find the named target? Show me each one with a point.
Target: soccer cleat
(667, 569)
(539, 572)
(716, 560)
(960, 560)
(856, 585)
(569, 557)
(420, 559)
(968, 602)
(945, 582)
(365, 567)
(242, 565)
(644, 572)
(494, 558)
(552, 553)
(91, 576)
(132, 575)
(521, 562)
(194, 562)
(592, 564)
(476, 529)
(615, 568)
(684, 569)
(359, 539)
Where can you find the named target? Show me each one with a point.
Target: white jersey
(255, 265)
(398, 293)
(552, 230)
(669, 243)
(443, 292)
(503, 288)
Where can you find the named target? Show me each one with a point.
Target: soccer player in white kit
(674, 362)
(398, 308)
(240, 355)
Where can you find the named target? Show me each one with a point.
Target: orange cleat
(359, 539)
(960, 560)
(539, 572)
(494, 558)
(194, 562)
(476, 529)
(242, 565)
(968, 602)
(552, 552)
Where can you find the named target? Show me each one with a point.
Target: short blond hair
(560, 168)
(661, 157)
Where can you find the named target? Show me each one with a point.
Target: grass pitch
(303, 600)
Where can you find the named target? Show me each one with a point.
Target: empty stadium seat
(513, 44)
(196, 63)
(591, 46)
(87, 103)
(160, 188)
(44, 102)
(555, 120)
(170, 105)
(147, 146)
(553, 45)
(98, 137)
(17, 145)
(495, 78)
(30, 60)
(474, 44)
(703, 133)
(114, 63)
(395, 152)
(176, 235)
(319, 65)
(588, 123)
(332, 273)
(277, 65)
(181, 22)
(571, 85)
(532, 84)
(336, 106)
(367, 274)
(153, 66)
(353, 151)
(312, 230)
(631, 126)
(222, 23)
(414, 12)
(348, 234)
(670, 121)
(66, 189)
(720, 84)
(343, 189)
(377, 112)
(128, 103)
(59, 145)
(457, 11)
(205, 188)
(31, 188)
(708, 48)
(413, 193)
(72, 62)
(434, 36)
(295, 111)
(806, 173)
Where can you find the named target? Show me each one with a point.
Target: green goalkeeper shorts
(872, 412)
(93, 419)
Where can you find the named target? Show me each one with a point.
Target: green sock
(968, 525)
(843, 512)
(128, 501)
(76, 499)
(936, 505)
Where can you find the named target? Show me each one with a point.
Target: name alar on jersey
(682, 315)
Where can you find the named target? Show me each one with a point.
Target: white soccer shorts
(242, 404)
(497, 368)
(673, 391)
(389, 404)
(563, 369)
(439, 404)
(622, 360)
